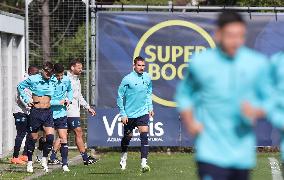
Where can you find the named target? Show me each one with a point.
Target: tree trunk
(45, 37)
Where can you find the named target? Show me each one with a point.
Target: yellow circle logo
(164, 24)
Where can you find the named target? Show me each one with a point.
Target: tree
(45, 36)
(72, 46)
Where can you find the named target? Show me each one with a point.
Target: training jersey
(19, 106)
(277, 118)
(62, 90)
(78, 99)
(37, 85)
(134, 95)
(214, 88)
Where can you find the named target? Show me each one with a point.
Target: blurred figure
(277, 118)
(224, 92)
(20, 113)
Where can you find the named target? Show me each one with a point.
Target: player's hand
(66, 103)
(194, 128)
(31, 104)
(124, 120)
(251, 112)
(151, 114)
(62, 102)
(92, 111)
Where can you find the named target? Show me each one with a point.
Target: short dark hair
(227, 17)
(48, 66)
(138, 58)
(32, 70)
(73, 62)
(58, 68)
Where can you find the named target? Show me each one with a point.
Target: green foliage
(71, 47)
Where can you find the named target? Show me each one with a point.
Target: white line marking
(275, 169)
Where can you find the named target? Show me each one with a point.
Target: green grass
(163, 166)
(11, 171)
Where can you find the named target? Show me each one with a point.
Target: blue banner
(167, 42)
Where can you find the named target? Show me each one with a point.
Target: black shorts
(73, 122)
(60, 123)
(39, 118)
(135, 122)
(212, 172)
(21, 122)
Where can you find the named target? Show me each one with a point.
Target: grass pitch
(163, 166)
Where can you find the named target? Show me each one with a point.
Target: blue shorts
(21, 122)
(135, 122)
(213, 172)
(39, 118)
(60, 123)
(73, 122)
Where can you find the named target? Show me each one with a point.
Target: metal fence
(57, 31)
(70, 35)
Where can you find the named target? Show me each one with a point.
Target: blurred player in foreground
(224, 92)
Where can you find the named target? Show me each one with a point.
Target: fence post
(93, 52)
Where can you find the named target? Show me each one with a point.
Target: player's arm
(149, 99)
(54, 102)
(27, 83)
(86, 105)
(276, 117)
(69, 93)
(264, 93)
(120, 99)
(185, 93)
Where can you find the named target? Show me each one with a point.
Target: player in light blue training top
(135, 105)
(60, 100)
(223, 93)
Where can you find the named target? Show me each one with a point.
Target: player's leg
(56, 145)
(127, 135)
(34, 125)
(24, 156)
(80, 144)
(41, 142)
(62, 127)
(21, 123)
(63, 148)
(53, 156)
(142, 123)
(31, 138)
(74, 124)
(48, 128)
(49, 131)
(237, 174)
